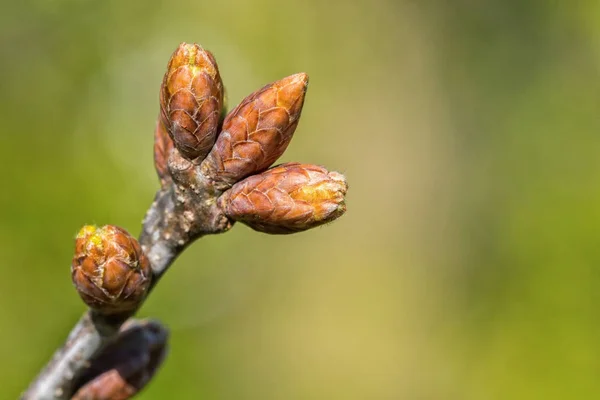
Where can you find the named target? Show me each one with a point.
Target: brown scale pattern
(257, 131)
(288, 198)
(109, 269)
(191, 97)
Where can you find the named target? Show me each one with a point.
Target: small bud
(289, 198)
(257, 131)
(109, 269)
(126, 365)
(191, 97)
(162, 148)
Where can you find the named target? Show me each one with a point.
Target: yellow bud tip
(86, 231)
(92, 235)
(191, 49)
(95, 240)
(194, 57)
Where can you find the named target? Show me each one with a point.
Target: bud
(257, 131)
(126, 365)
(191, 96)
(289, 198)
(162, 148)
(109, 269)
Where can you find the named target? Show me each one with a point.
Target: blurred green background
(467, 265)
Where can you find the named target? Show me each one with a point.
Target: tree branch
(94, 331)
(173, 221)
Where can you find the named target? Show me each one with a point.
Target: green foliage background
(467, 266)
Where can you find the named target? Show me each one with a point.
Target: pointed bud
(289, 198)
(162, 148)
(109, 269)
(126, 365)
(191, 96)
(257, 131)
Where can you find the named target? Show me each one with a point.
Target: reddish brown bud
(162, 148)
(126, 365)
(288, 198)
(257, 131)
(191, 96)
(109, 269)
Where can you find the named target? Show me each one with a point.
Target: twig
(175, 219)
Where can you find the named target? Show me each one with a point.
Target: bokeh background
(467, 265)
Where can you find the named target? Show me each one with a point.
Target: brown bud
(126, 365)
(257, 131)
(191, 96)
(288, 198)
(162, 148)
(109, 269)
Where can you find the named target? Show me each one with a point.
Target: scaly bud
(126, 365)
(289, 198)
(257, 131)
(191, 96)
(109, 269)
(162, 148)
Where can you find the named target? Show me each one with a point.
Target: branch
(170, 225)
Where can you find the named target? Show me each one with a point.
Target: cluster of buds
(235, 156)
(215, 169)
(109, 270)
